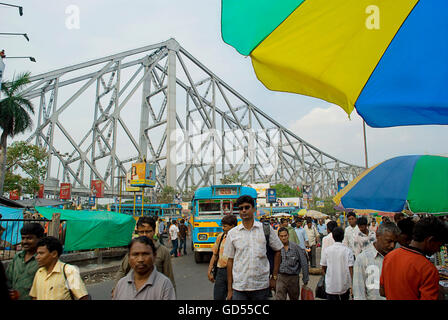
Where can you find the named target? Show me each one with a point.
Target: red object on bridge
(97, 188)
(41, 191)
(14, 195)
(65, 192)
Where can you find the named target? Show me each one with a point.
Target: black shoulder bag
(215, 264)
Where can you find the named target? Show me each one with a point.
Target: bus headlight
(202, 237)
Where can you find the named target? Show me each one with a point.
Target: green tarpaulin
(93, 229)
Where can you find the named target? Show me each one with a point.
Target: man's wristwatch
(274, 277)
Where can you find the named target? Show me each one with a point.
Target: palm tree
(14, 116)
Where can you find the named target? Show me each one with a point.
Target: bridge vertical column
(144, 115)
(171, 174)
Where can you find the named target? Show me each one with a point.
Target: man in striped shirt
(293, 259)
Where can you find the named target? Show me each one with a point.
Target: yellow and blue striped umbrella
(386, 58)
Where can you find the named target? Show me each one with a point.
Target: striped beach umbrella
(386, 58)
(418, 183)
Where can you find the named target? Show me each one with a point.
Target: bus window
(210, 208)
(227, 207)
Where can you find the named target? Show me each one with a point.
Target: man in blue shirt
(161, 231)
(301, 234)
(322, 229)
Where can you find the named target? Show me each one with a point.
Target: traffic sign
(271, 195)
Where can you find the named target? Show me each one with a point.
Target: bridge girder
(194, 126)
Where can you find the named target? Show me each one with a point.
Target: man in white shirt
(337, 263)
(328, 239)
(351, 230)
(368, 264)
(174, 235)
(313, 239)
(248, 264)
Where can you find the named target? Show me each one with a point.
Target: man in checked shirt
(293, 259)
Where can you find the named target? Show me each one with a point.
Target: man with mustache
(23, 267)
(144, 282)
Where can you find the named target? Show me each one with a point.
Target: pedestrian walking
(322, 229)
(328, 239)
(162, 231)
(183, 233)
(56, 280)
(246, 249)
(293, 260)
(174, 237)
(292, 234)
(373, 226)
(146, 227)
(301, 234)
(313, 240)
(337, 263)
(363, 238)
(351, 230)
(21, 270)
(143, 282)
(407, 273)
(398, 217)
(368, 264)
(406, 227)
(218, 262)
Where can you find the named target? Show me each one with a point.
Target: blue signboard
(342, 184)
(271, 195)
(138, 199)
(91, 201)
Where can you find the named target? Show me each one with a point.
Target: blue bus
(209, 206)
(164, 211)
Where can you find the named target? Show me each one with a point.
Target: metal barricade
(10, 236)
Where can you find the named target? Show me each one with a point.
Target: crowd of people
(253, 260)
(359, 261)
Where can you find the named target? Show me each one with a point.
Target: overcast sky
(112, 26)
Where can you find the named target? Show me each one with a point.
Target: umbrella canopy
(370, 54)
(281, 214)
(416, 182)
(315, 214)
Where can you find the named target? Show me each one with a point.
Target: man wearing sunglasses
(247, 264)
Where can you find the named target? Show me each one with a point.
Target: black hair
(398, 215)
(282, 229)
(351, 214)
(245, 199)
(51, 243)
(430, 226)
(283, 220)
(144, 240)
(338, 234)
(230, 220)
(331, 225)
(33, 228)
(309, 220)
(406, 226)
(362, 221)
(147, 220)
(182, 221)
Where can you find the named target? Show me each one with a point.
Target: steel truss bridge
(161, 104)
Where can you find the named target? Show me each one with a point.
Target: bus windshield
(209, 208)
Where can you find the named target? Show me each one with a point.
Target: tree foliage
(285, 191)
(25, 167)
(14, 116)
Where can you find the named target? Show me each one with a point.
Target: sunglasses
(244, 208)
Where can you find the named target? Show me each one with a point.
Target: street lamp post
(15, 34)
(11, 5)
(31, 58)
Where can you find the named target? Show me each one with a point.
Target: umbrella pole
(365, 143)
